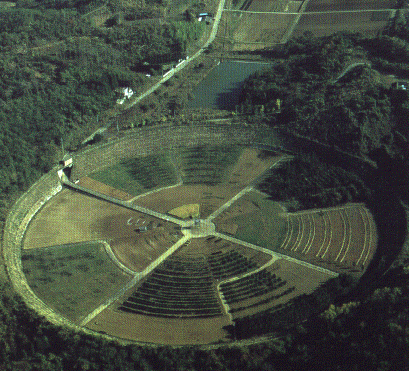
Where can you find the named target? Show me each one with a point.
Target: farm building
(126, 94)
(66, 161)
(207, 17)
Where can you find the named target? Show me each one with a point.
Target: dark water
(221, 87)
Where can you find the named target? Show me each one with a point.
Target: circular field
(163, 237)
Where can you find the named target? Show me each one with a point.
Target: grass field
(138, 175)
(264, 226)
(73, 279)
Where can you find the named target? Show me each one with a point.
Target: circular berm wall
(163, 237)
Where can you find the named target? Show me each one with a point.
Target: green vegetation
(264, 227)
(357, 106)
(73, 279)
(307, 182)
(59, 72)
(208, 165)
(139, 175)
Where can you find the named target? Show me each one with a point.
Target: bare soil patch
(186, 211)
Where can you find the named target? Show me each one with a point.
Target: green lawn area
(139, 175)
(264, 227)
(73, 279)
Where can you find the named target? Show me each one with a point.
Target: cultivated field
(261, 5)
(344, 236)
(336, 5)
(122, 268)
(207, 282)
(368, 23)
(288, 280)
(138, 175)
(222, 182)
(252, 31)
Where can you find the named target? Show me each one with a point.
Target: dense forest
(59, 68)
(307, 182)
(310, 93)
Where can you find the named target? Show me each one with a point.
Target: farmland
(249, 31)
(232, 254)
(333, 5)
(368, 23)
(256, 219)
(254, 25)
(344, 236)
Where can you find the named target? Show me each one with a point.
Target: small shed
(66, 161)
(207, 17)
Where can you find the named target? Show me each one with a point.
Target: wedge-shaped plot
(73, 279)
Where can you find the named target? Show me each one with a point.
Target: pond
(221, 87)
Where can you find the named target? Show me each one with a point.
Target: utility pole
(62, 146)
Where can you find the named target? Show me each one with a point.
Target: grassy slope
(263, 227)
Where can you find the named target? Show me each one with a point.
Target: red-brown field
(336, 5)
(368, 23)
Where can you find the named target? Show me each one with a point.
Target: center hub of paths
(199, 228)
